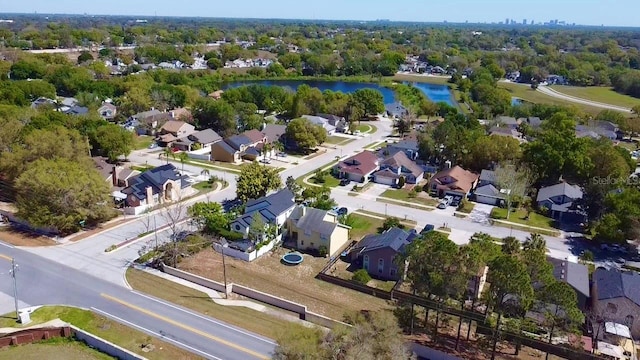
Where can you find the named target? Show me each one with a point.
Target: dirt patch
(99, 229)
(294, 283)
(21, 238)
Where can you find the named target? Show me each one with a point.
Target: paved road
(552, 92)
(42, 281)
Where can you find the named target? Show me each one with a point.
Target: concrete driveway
(481, 213)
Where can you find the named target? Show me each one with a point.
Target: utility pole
(155, 231)
(14, 268)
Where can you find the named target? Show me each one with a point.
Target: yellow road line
(186, 327)
(6, 257)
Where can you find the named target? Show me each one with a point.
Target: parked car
(153, 146)
(342, 211)
(443, 204)
(265, 161)
(345, 182)
(282, 154)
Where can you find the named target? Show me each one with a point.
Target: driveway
(481, 213)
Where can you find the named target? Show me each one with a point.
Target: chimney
(114, 175)
(447, 164)
(149, 192)
(173, 114)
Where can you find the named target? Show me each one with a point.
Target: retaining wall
(32, 335)
(105, 346)
(193, 278)
(301, 310)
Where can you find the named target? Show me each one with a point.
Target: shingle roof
(507, 120)
(611, 284)
(488, 176)
(463, 179)
(313, 220)
(362, 163)
(154, 178)
(206, 136)
(394, 238)
(224, 146)
(273, 132)
(400, 159)
(173, 126)
(563, 188)
(236, 141)
(268, 207)
(488, 190)
(145, 114)
(253, 135)
(104, 168)
(386, 173)
(574, 274)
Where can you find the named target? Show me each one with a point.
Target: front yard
(294, 283)
(325, 180)
(142, 142)
(421, 198)
(520, 217)
(367, 128)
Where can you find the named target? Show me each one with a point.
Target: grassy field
(467, 207)
(294, 283)
(520, 215)
(525, 93)
(107, 329)
(403, 195)
(300, 180)
(335, 140)
(142, 142)
(599, 94)
(57, 349)
(255, 321)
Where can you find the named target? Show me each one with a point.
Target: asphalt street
(42, 281)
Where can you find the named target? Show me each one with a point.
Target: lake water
(435, 93)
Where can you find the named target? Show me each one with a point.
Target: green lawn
(142, 168)
(54, 349)
(519, 217)
(599, 94)
(205, 186)
(362, 225)
(525, 93)
(467, 207)
(121, 335)
(328, 180)
(335, 140)
(142, 142)
(367, 128)
(258, 322)
(327, 167)
(403, 195)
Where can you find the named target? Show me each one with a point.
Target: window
(380, 265)
(301, 242)
(365, 262)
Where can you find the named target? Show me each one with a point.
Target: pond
(435, 93)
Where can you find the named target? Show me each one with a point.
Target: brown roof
(173, 126)
(216, 94)
(254, 135)
(273, 132)
(181, 114)
(361, 164)
(461, 179)
(104, 168)
(400, 159)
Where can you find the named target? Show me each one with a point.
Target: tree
(403, 127)
(361, 276)
(292, 185)
(511, 245)
(256, 181)
(183, 157)
(216, 114)
(114, 141)
(370, 100)
(564, 306)
(84, 57)
(304, 134)
(257, 229)
(390, 223)
(168, 152)
(62, 194)
(535, 242)
(508, 276)
(209, 217)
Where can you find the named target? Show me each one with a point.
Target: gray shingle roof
(154, 178)
(273, 132)
(563, 188)
(400, 159)
(269, 207)
(488, 176)
(394, 238)
(576, 275)
(488, 190)
(611, 284)
(313, 220)
(236, 141)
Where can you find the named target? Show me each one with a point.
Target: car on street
(265, 161)
(342, 211)
(345, 182)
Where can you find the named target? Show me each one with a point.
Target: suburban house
(75, 110)
(616, 297)
(574, 274)
(507, 122)
(182, 114)
(395, 110)
(598, 129)
(397, 166)
(247, 145)
(202, 139)
(408, 146)
(317, 120)
(156, 186)
(506, 131)
(43, 101)
(117, 176)
(273, 209)
(534, 122)
(274, 133)
(453, 181)
(146, 123)
(340, 123)
(173, 130)
(313, 229)
(561, 199)
(358, 167)
(107, 111)
(377, 253)
(488, 194)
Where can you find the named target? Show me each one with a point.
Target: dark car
(345, 182)
(342, 211)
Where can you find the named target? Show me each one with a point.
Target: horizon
(490, 12)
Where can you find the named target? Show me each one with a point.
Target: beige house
(173, 130)
(317, 230)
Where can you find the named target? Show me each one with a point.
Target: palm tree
(510, 245)
(278, 146)
(183, 157)
(205, 172)
(265, 150)
(535, 242)
(168, 152)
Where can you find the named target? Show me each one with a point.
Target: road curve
(556, 94)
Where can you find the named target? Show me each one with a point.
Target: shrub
(401, 182)
(361, 276)
(412, 194)
(110, 248)
(322, 250)
(418, 188)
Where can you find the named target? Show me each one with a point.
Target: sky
(584, 12)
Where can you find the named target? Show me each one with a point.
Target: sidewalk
(217, 298)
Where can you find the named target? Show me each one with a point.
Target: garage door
(486, 200)
(385, 180)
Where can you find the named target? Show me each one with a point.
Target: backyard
(294, 283)
(107, 329)
(142, 142)
(58, 349)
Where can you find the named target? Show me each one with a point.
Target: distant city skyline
(583, 12)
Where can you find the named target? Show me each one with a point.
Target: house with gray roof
(377, 253)
(574, 274)
(273, 209)
(202, 139)
(247, 145)
(324, 123)
(487, 177)
(488, 194)
(317, 230)
(396, 166)
(396, 110)
(409, 146)
(340, 123)
(156, 186)
(562, 201)
(507, 121)
(616, 297)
